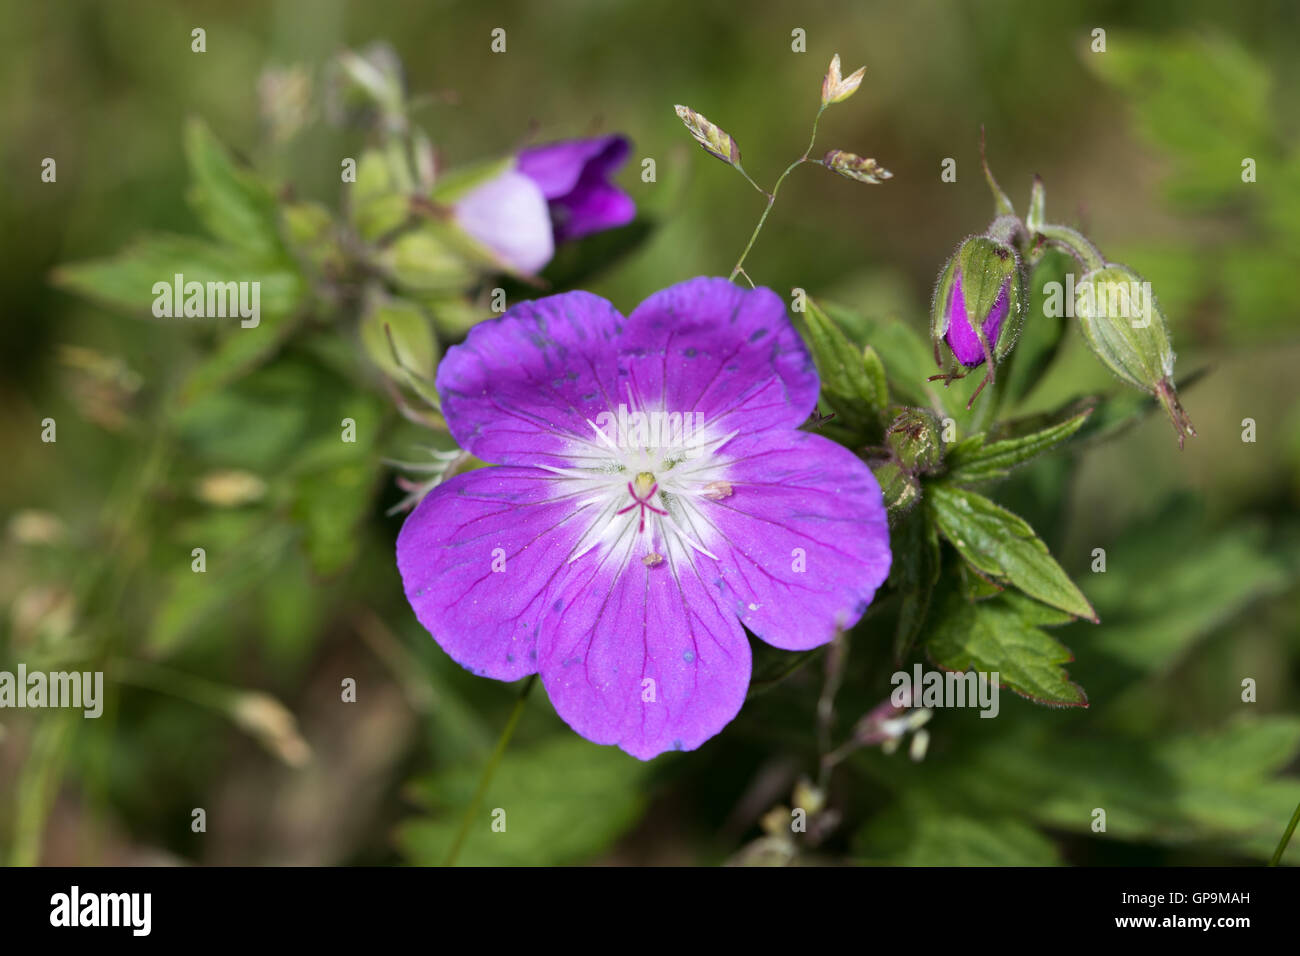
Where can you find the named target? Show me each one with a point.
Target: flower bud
(1125, 328)
(914, 438)
(979, 303)
(899, 488)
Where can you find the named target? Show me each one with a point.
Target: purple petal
(478, 558)
(593, 207)
(574, 177)
(557, 167)
(708, 346)
(806, 537)
(643, 657)
(961, 337)
(521, 387)
(509, 215)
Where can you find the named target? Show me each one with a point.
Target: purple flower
(554, 193)
(961, 337)
(653, 493)
(574, 177)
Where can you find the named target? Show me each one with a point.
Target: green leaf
(240, 549)
(972, 461)
(914, 574)
(907, 357)
(126, 281)
(564, 801)
(333, 487)
(236, 353)
(1195, 578)
(1003, 635)
(233, 203)
(1212, 789)
(852, 379)
(1004, 547)
(917, 834)
(1202, 98)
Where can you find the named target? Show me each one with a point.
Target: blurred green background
(1142, 145)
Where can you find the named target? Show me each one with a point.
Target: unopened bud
(914, 438)
(979, 303)
(898, 487)
(1124, 327)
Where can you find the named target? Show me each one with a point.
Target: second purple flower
(553, 193)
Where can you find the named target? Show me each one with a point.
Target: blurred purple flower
(554, 193)
(654, 492)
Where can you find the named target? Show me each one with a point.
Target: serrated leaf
(907, 358)
(973, 461)
(853, 379)
(914, 574)
(1004, 547)
(232, 202)
(1000, 635)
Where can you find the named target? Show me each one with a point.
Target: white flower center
(638, 484)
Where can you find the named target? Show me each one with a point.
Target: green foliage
(1005, 635)
(1002, 546)
(972, 461)
(563, 801)
(853, 379)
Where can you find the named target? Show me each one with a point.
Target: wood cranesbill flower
(652, 494)
(553, 193)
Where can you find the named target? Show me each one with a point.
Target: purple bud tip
(961, 337)
(574, 176)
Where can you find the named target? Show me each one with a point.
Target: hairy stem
(1075, 243)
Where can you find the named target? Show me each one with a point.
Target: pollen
(652, 559)
(716, 490)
